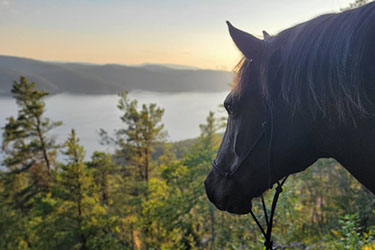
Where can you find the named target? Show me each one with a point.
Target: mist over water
(88, 113)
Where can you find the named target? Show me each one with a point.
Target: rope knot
(279, 189)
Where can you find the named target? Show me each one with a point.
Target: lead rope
(268, 243)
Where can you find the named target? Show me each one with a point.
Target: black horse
(304, 94)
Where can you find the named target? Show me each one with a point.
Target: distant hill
(84, 78)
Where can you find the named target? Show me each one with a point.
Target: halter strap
(268, 243)
(227, 173)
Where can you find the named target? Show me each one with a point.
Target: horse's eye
(229, 108)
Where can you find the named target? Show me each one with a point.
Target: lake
(88, 113)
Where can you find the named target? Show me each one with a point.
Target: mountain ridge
(86, 78)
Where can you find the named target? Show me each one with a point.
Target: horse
(301, 95)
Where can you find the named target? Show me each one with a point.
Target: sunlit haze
(134, 32)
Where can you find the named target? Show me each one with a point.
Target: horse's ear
(249, 45)
(266, 36)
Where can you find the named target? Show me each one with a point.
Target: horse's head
(263, 142)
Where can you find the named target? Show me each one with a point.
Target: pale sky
(187, 32)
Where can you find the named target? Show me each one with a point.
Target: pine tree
(73, 188)
(177, 205)
(143, 132)
(29, 151)
(103, 171)
(199, 162)
(29, 158)
(77, 220)
(135, 144)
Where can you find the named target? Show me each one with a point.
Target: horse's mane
(326, 64)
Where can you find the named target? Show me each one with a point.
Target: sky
(185, 32)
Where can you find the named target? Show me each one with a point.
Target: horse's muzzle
(223, 193)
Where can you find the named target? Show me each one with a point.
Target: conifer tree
(29, 151)
(181, 214)
(144, 130)
(29, 158)
(103, 171)
(199, 162)
(79, 221)
(136, 142)
(73, 187)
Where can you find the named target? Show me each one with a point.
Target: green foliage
(143, 130)
(179, 193)
(104, 173)
(72, 217)
(349, 234)
(135, 143)
(29, 158)
(29, 152)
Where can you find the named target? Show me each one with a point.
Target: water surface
(88, 113)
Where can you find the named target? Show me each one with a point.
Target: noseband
(268, 243)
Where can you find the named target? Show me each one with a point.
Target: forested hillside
(149, 194)
(79, 78)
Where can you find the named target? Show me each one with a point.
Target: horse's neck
(354, 148)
